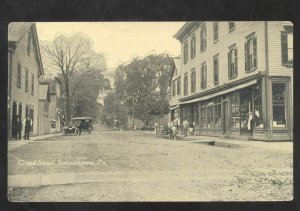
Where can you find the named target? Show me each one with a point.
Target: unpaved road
(147, 168)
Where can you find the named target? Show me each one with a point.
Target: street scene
(150, 111)
(137, 166)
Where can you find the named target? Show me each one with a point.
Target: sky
(120, 41)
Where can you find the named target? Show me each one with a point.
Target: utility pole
(132, 112)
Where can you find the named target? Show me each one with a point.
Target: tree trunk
(68, 102)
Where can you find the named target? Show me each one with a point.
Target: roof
(185, 29)
(43, 92)
(16, 30)
(82, 118)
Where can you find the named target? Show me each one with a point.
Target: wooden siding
(221, 47)
(18, 94)
(274, 42)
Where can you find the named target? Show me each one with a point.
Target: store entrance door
(225, 117)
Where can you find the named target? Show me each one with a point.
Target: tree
(144, 82)
(70, 57)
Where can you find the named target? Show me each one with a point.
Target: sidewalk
(13, 144)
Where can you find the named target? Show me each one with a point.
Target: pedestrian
(28, 124)
(14, 127)
(170, 125)
(185, 127)
(156, 125)
(19, 127)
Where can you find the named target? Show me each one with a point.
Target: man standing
(19, 127)
(27, 128)
(185, 127)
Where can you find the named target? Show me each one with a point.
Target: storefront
(243, 111)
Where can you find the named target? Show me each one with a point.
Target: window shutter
(254, 53)
(246, 57)
(235, 62)
(229, 65)
(284, 48)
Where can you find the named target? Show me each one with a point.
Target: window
(178, 86)
(203, 76)
(185, 84)
(185, 52)
(203, 116)
(232, 63)
(235, 110)
(216, 31)
(250, 54)
(173, 88)
(216, 69)
(28, 44)
(196, 115)
(217, 113)
(279, 108)
(32, 84)
(19, 75)
(193, 46)
(26, 80)
(20, 111)
(210, 115)
(287, 47)
(231, 26)
(257, 107)
(203, 39)
(193, 81)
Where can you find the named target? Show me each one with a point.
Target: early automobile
(79, 125)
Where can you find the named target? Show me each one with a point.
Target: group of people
(173, 128)
(17, 127)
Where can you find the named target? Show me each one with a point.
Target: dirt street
(137, 166)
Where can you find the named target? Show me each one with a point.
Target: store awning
(220, 93)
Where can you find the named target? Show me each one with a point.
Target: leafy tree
(72, 57)
(143, 85)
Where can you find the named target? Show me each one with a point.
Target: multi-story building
(24, 69)
(236, 79)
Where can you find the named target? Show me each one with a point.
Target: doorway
(225, 117)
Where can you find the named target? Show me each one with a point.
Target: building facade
(24, 69)
(236, 79)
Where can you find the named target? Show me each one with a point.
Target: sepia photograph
(196, 111)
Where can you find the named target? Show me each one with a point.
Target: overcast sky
(120, 41)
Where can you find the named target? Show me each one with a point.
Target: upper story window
(185, 84)
(193, 46)
(28, 44)
(203, 76)
(26, 80)
(232, 63)
(32, 84)
(19, 75)
(251, 54)
(216, 31)
(178, 86)
(173, 88)
(287, 46)
(231, 26)
(185, 52)
(216, 69)
(193, 81)
(203, 39)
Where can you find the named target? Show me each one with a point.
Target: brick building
(236, 79)
(24, 69)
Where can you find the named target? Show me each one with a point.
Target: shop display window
(257, 107)
(235, 110)
(203, 117)
(279, 107)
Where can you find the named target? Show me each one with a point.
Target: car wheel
(77, 131)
